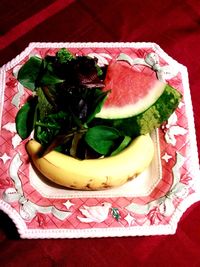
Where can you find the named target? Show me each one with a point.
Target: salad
(66, 97)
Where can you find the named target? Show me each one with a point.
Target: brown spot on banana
(132, 177)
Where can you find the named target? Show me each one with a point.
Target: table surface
(175, 26)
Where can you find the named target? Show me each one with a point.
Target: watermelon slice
(131, 92)
(138, 103)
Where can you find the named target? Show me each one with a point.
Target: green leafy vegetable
(125, 142)
(102, 138)
(48, 75)
(29, 72)
(99, 71)
(49, 78)
(44, 106)
(95, 101)
(50, 126)
(25, 118)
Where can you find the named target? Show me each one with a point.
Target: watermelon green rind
(151, 118)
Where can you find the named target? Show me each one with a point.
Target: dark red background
(172, 24)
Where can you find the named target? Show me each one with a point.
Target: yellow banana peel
(94, 174)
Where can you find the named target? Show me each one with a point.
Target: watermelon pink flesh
(132, 92)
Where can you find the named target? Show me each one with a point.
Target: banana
(94, 174)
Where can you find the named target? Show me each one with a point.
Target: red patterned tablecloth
(174, 26)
